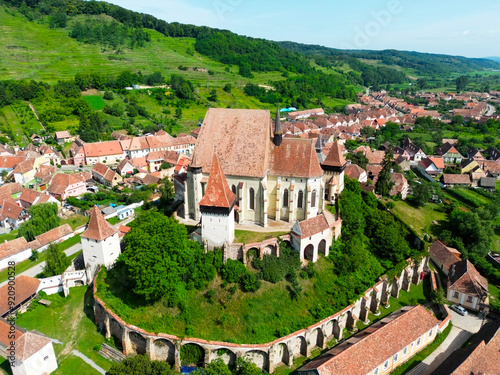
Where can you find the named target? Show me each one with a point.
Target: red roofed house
(217, 209)
(380, 348)
(467, 287)
(16, 250)
(63, 137)
(12, 215)
(314, 236)
(100, 243)
(26, 290)
(432, 165)
(34, 355)
(110, 152)
(449, 154)
(443, 256)
(450, 180)
(67, 185)
(105, 175)
(355, 172)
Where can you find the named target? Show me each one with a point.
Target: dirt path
(36, 115)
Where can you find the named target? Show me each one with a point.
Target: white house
(122, 212)
(34, 355)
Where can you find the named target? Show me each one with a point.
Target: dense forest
(422, 63)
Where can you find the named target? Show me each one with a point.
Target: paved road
(89, 361)
(463, 328)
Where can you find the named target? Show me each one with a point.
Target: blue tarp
(188, 369)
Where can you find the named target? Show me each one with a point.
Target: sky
(453, 27)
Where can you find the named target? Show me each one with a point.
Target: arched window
(285, 198)
(300, 200)
(313, 198)
(251, 199)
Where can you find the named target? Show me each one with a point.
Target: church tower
(217, 209)
(100, 243)
(333, 167)
(278, 133)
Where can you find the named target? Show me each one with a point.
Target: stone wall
(267, 356)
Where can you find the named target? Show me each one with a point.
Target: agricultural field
(17, 121)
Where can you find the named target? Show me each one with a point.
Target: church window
(252, 199)
(233, 189)
(300, 200)
(313, 198)
(285, 198)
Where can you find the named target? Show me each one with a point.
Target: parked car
(459, 309)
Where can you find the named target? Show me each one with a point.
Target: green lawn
(96, 102)
(246, 237)
(114, 220)
(75, 221)
(8, 236)
(419, 219)
(494, 296)
(70, 320)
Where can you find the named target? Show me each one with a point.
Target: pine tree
(384, 183)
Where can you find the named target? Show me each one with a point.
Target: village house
(12, 215)
(104, 175)
(467, 287)
(77, 154)
(30, 197)
(468, 166)
(355, 172)
(432, 165)
(488, 183)
(401, 185)
(491, 168)
(44, 176)
(26, 290)
(416, 154)
(49, 154)
(380, 348)
(109, 152)
(64, 185)
(35, 138)
(125, 167)
(25, 171)
(449, 154)
(63, 136)
(443, 256)
(452, 180)
(123, 212)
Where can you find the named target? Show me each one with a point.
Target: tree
(167, 191)
(384, 183)
(56, 262)
(140, 364)
(476, 234)
(228, 87)
(213, 95)
(108, 95)
(43, 218)
(461, 82)
(439, 297)
(357, 158)
(160, 244)
(216, 367)
(246, 367)
(422, 83)
(421, 193)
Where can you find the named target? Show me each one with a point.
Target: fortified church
(244, 171)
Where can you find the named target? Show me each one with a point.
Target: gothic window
(313, 198)
(300, 200)
(252, 199)
(285, 198)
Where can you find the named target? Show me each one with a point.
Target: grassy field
(19, 119)
(96, 102)
(246, 237)
(8, 236)
(70, 320)
(75, 221)
(419, 219)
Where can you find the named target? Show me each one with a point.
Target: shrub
(250, 282)
(233, 270)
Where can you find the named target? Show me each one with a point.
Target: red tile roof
(54, 234)
(445, 255)
(312, 226)
(354, 171)
(13, 247)
(98, 228)
(242, 137)
(295, 157)
(103, 148)
(464, 277)
(25, 287)
(335, 157)
(29, 344)
(61, 181)
(460, 179)
(11, 210)
(218, 193)
(371, 347)
(5, 333)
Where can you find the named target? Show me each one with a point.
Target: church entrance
(322, 247)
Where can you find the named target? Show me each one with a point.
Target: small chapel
(243, 171)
